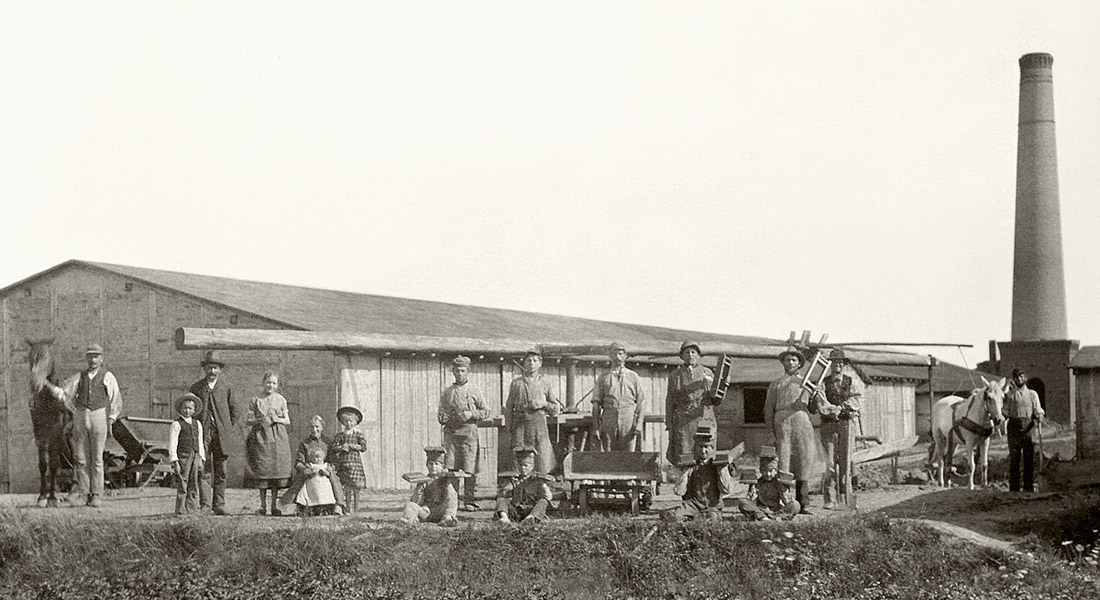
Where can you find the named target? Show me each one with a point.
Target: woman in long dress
(267, 447)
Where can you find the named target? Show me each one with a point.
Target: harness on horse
(966, 423)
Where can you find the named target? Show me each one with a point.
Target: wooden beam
(195, 338)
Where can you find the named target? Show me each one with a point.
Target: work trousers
(519, 512)
(532, 430)
(187, 485)
(462, 454)
(431, 513)
(756, 512)
(617, 427)
(1020, 447)
(89, 437)
(692, 510)
(212, 492)
(838, 439)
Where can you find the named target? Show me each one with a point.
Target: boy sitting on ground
(525, 498)
(771, 497)
(434, 499)
(702, 485)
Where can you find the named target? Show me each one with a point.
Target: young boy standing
(434, 500)
(185, 451)
(703, 484)
(525, 498)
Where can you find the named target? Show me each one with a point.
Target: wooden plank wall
(136, 324)
(1088, 413)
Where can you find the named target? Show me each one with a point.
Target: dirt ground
(992, 511)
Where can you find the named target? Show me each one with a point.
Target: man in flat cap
(460, 408)
(532, 398)
(688, 403)
(219, 417)
(434, 499)
(787, 414)
(97, 403)
(618, 405)
(1025, 417)
(843, 394)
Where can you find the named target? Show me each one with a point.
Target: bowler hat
(210, 357)
(192, 398)
(690, 344)
(352, 411)
(837, 354)
(94, 349)
(791, 350)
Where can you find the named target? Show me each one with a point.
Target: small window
(754, 405)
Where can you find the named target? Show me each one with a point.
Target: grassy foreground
(852, 557)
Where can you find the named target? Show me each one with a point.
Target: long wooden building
(135, 314)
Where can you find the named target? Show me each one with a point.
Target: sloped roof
(314, 309)
(1088, 357)
(946, 378)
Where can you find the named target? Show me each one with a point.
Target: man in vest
(844, 395)
(219, 416)
(97, 402)
(618, 405)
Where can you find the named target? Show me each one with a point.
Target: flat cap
(94, 349)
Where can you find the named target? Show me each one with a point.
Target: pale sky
(734, 167)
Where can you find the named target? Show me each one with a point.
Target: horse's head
(42, 363)
(993, 398)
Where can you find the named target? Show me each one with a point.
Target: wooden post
(931, 392)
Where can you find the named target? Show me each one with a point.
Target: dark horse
(51, 418)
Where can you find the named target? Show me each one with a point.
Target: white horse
(970, 420)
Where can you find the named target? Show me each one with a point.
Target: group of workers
(779, 488)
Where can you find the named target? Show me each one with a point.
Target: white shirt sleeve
(202, 444)
(174, 440)
(114, 396)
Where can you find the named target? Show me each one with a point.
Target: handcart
(611, 479)
(139, 454)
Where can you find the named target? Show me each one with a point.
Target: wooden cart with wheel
(611, 479)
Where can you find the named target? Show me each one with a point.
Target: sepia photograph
(486, 299)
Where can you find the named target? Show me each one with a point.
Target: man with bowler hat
(97, 402)
(219, 417)
(843, 395)
(461, 406)
(688, 403)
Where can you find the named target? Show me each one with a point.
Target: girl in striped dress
(347, 456)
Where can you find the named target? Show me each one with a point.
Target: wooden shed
(1086, 374)
(135, 312)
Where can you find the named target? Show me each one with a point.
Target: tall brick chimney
(1038, 283)
(1040, 343)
